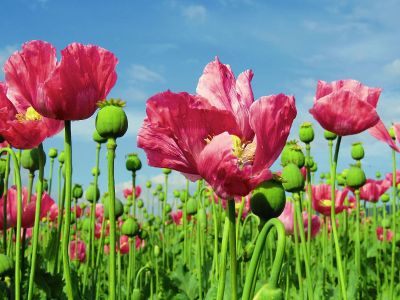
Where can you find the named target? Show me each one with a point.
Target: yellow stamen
(30, 115)
(245, 152)
(326, 202)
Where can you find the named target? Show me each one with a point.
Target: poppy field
(255, 219)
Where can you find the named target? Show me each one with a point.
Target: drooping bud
(355, 177)
(268, 199)
(191, 206)
(330, 136)
(77, 191)
(30, 159)
(378, 174)
(111, 120)
(98, 138)
(61, 157)
(159, 187)
(306, 132)
(95, 171)
(314, 167)
(357, 151)
(133, 163)
(293, 180)
(176, 193)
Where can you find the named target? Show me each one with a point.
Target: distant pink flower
(78, 211)
(97, 230)
(321, 199)
(177, 217)
(53, 215)
(128, 192)
(99, 211)
(389, 176)
(221, 134)
(372, 190)
(348, 107)
(77, 250)
(65, 90)
(379, 234)
(124, 244)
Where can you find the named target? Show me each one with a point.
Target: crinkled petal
(344, 113)
(271, 118)
(380, 132)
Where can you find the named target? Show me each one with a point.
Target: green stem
(68, 188)
(131, 246)
(393, 210)
(277, 264)
(111, 145)
(185, 225)
(51, 175)
(357, 245)
(232, 248)
(222, 267)
(215, 224)
(309, 202)
(297, 254)
(37, 221)
(5, 194)
(333, 221)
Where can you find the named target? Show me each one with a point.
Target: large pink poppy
(372, 190)
(65, 90)
(221, 134)
(321, 199)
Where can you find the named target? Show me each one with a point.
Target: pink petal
(380, 132)
(344, 113)
(271, 118)
(396, 127)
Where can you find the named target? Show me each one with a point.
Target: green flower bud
(130, 227)
(357, 151)
(6, 265)
(248, 251)
(161, 196)
(111, 120)
(306, 132)
(119, 207)
(140, 203)
(378, 174)
(168, 208)
(134, 164)
(61, 157)
(136, 294)
(95, 171)
(293, 180)
(345, 172)
(330, 136)
(77, 191)
(183, 195)
(314, 167)
(30, 159)
(98, 138)
(202, 218)
(268, 199)
(292, 153)
(159, 187)
(176, 193)
(148, 184)
(86, 224)
(355, 177)
(309, 162)
(191, 206)
(385, 198)
(179, 206)
(53, 153)
(45, 185)
(90, 193)
(156, 251)
(166, 171)
(266, 292)
(392, 133)
(145, 215)
(126, 209)
(386, 223)
(341, 180)
(322, 175)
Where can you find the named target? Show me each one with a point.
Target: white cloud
(141, 73)
(393, 68)
(195, 12)
(5, 53)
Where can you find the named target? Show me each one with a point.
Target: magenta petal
(271, 118)
(380, 132)
(26, 72)
(84, 77)
(396, 127)
(344, 113)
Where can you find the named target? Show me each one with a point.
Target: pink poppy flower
(128, 192)
(389, 177)
(65, 90)
(99, 211)
(177, 217)
(321, 199)
(396, 127)
(372, 190)
(124, 244)
(221, 134)
(77, 250)
(287, 219)
(348, 107)
(379, 234)
(78, 211)
(53, 212)
(139, 243)
(28, 209)
(97, 230)
(20, 125)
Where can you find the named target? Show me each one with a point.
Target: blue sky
(166, 44)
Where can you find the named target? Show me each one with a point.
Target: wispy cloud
(194, 12)
(141, 73)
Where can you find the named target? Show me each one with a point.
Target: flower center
(244, 151)
(30, 115)
(326, 202)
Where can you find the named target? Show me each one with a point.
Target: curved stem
(37, 221)
(17, 176)
(277, 264)
(111, 145)
(68, 188)
(5, 194)
(393, 210)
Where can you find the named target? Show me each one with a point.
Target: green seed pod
(378, 174)
(183, 195)
(111, 120)
(98, 138)
(148, 184)
(341, 180)
(6, 265)
(314, 167)
(130, 227)
(176, 193)
(140, 203)
(306, 132)
(191, 206)
(30, 159)
(168, 208)
(45, 185)
(330, 136)
(268, 199)
(266, 292)
(89, 194)
(61, 157)
(385, 198)
(293, 180)
(53, 153)
(355, 177)
(322, 175)
(136, 294)
(77, 191)
(392, 133)
(166, 171)
(292, 153)
(309, 162)
(119, 207)
(126, 209)
(357, 151)
(386, 223)
(159, 187)
(161, 196)
(156, 251)
(133, 164)
(95, 171)
(202, 218)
